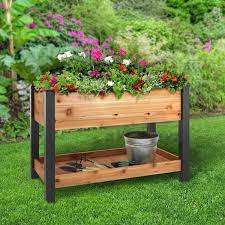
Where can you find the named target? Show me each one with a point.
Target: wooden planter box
(79, 111)
(59, 112)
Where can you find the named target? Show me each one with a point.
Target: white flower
(126, 62)
(68, 54)
(109, 59)
(110, 83)
(60, 57)
(82, 54)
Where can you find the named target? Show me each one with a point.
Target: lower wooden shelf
(97, 167)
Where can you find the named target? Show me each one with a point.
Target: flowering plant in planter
(95, 71)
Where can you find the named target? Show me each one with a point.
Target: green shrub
(98, 17)
(150, 39)
(145, 7)
(212, 27)
(15, 129)
(4, 109)
(206, 72)
(192, 9)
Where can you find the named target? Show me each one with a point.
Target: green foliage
(98, 17)
(211, 27)
(192, 9)
(23, 36)
(144, 7)
(15, 128)
(206, 72)
(20, 19)
(4, 109)
(150, 39)
(6, 61)
(36, 60)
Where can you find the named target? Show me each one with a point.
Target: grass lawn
(159, 199)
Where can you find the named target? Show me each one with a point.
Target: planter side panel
(79, 111)
(39, 107)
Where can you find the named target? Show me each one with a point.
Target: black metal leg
(151, 128)
(34, 136)
(184, 152)
(49, 146)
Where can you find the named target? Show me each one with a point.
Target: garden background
(188, 36)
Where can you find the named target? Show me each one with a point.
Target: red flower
(72, 87)
(121, 67)
(164, 78)
(173, 78)
(140, 81)
(102, 92)
(136, 87)
(55, 89)
(44, 76)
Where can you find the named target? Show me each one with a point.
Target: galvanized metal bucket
(141, 146)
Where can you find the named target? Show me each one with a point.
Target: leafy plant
(15, 32)
(15, 128)
(192, 9)
(154, 8)
(149, 39)
(206, 74)
(98, 16)
(35, 60)
(211, 27)
(17, 28)
(4, 109)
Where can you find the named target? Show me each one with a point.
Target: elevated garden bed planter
(59, 112)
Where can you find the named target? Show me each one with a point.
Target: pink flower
(142, 63)
(122, 52)
(207, 46)
(89, 40)
(105, 45)
(96, 54)
(49, 15)
(110, 52)
(73, 20)
(107, 75)
(47, 24)
(2, 6)
(58, 16)
(109, 39)
(95, 73)
(78, 22)
(61, 22)
(75, 34)
(32, 25)
(102, 92)
(75, 44)
(53, 81)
